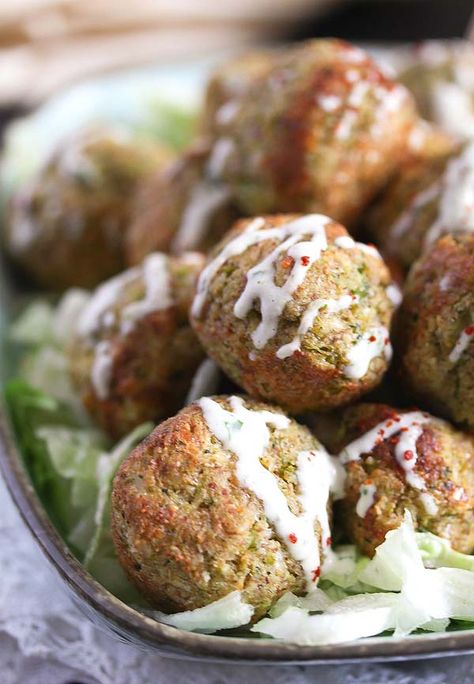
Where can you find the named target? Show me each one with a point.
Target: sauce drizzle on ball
(246, 434)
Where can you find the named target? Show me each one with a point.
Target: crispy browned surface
(187, 532)
(75, 213)
(446, 463)
(160, 205)
(231, 80)
(288, 153)
(153, 365)
(438, 305)
(312, 378)
(418, 171)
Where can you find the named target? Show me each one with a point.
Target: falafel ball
(296, 312)
(435, 329)
(228, 495)
(230, 82)
(66, 228)
(389, 221)
(397, 460)
(440, 74)
(322, 131)
(134, 353)
(179, 209)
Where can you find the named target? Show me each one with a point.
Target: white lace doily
(45, 640)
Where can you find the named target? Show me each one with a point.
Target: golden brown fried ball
(67, 227)
(435, 329)
(305, 328)
(322, 131)
(188, 532)
(134, 353)
(178, 209)
(438, 490)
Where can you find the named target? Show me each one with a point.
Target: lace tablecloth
(45, 640)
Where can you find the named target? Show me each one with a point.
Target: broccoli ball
(134, 353)
(228, 495)
(398, 460)
(322, 131)
(424, 164)
(66, 228)
(179, 209)
(440, 74)
(435, 329)
(296, 312)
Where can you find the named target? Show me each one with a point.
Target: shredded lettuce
(43, 330)
(226, 613)
(72, 467)
(351, 618)
(413, 597)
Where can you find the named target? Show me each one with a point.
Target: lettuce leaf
(72, 468)
(226, 613)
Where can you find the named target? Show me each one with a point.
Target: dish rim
(133, 626)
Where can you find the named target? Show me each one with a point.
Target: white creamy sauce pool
(98, 312)
(462, 343)
(407, 427)
(367, 492)
(246, 434)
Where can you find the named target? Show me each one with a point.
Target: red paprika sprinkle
(287, 262)
(329, 541)
(408, 455)
(305, 260)
(293, 538)
(315, 574)
(469, 330)
(372, 338)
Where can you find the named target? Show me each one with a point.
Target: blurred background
(48, 44)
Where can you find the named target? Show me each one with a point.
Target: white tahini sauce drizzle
(328, 306)
(367, 492)
(429, 503)
(373, 343)
(102, 300)
(157, 291)
(98, 312)
(329, 103)
(394, 294)
(408, 427)
(456, 200)
(462, 343)
(246, 434)
(346, 242)
(405, 220)
(206, 199)
(101, 373)
(220, 153)
(260, 285)
(260, 279)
